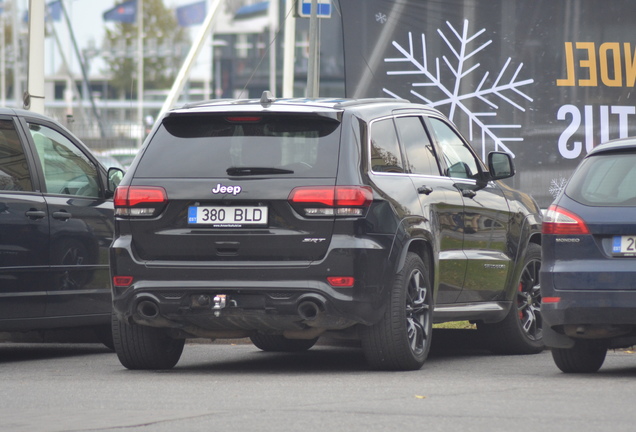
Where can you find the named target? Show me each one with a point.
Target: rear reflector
(562, 222)
(341, 281)
(122, 281)
(550, 299)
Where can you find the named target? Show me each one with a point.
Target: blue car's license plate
(624, 245)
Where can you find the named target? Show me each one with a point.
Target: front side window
(460, 161)
(67, 170)
(14, 169)
(385, 148)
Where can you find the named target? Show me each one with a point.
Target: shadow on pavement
(19, 346)
(457, 342)
(15, 352)
(329, 356)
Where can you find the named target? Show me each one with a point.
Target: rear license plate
(624, 245)
(228, 217)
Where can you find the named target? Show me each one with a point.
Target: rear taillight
(560, 221)
(139, 201)
(352, 201)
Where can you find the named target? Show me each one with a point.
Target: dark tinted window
(417, 145)
(385, 149)
(206, 146)
(14, 170)
(605, 180)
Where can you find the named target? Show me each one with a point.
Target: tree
(165, 46)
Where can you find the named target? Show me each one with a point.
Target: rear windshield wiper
(243, 171)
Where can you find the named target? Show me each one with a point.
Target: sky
(88, 27)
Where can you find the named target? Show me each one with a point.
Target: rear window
(207, 146)
(605, 179)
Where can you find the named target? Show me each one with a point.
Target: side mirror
(115, 176)
(500, 165)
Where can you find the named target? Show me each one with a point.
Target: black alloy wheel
(529, 300)
(401, 340)
(521, 331)
(417, 312)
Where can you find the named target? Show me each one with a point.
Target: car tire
(585, 357)
(279, 343)
(401, 340)
(143, 347)
(521, 331)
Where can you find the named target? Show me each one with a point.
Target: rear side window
(212, 146)
(605, 180)
(385, 148)
(14, 170)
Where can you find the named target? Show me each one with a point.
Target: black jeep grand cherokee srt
(286, 220)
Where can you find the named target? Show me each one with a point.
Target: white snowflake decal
(453, 85)
(381, 18)
(556, 186)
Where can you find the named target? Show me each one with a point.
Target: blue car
(588, 276)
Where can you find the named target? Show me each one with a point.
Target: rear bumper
(608, 315)
(620, 308)
(606, 296)
(232, 299)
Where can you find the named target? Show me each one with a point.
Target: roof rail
(354, 102)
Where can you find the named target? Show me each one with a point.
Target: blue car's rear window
(605, 179)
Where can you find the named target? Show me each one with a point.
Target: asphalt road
(236, 387)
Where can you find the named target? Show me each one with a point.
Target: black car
(588, 279)
(287, 220)
(56, 224)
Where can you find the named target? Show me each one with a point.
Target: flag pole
(34, 95)
(289, 53)
(184, 72)
(83, 69)
(140, 71)
(3, 58)
(273, 29)
(312, 67)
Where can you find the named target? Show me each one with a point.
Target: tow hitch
(216, 303)
(219, 303)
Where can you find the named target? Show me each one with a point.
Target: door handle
(426, 190)
(469, 193)
(61, 215)
(35, 214)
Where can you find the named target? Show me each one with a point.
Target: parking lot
(234, 386)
